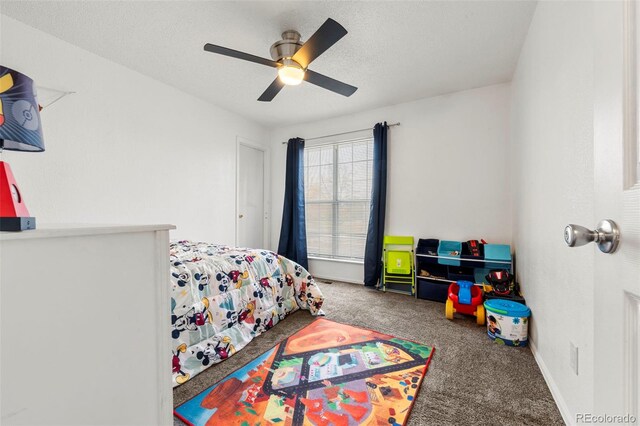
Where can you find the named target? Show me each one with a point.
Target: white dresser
(84, 326)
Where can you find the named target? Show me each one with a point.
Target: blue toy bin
(507, 322)
(480, 274)
(449, 252)
(497, 256)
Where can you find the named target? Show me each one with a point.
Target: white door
(617, 191)
(251, 197)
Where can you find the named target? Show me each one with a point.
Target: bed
(223, 297)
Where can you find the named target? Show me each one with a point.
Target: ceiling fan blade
(271, 92)
(329, 83)
(326, 36)
(240, 55)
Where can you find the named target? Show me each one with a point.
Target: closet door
(251, 208)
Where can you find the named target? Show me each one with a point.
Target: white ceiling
(395, 51)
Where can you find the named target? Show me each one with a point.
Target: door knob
(606, 236)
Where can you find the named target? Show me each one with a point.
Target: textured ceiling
(395, 51)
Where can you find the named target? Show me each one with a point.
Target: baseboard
(555, 391)
(342, 280)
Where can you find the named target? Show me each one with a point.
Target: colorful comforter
(222, 297)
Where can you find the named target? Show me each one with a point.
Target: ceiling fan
(292, 58)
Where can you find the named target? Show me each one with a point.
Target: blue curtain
(375, 232)
(293, 234)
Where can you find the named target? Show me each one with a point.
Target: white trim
(631, 355)
(329, 259)
(630, 93)
(266, 231)
(421, 277)
(458, 259)
(163, 327)
(342, 280)
(57, 231)
(631, 175)
(553, 387)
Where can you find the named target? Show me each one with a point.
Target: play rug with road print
(327, 374)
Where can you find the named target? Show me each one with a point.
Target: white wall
(128, 149)
(552, 145)
(125, 148)
(447, 169)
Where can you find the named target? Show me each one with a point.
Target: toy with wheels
(465, 298)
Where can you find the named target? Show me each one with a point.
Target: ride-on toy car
(465, 298)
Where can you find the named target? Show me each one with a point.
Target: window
(337, 182)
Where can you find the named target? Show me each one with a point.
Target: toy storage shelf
(481, 263)
(435, 286)
(442, 280)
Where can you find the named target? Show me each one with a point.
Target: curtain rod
(343, 133)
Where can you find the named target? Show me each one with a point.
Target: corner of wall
(551, 118)
(552, 385)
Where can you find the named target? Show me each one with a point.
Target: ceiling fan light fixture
(291, 73)
(292, 57)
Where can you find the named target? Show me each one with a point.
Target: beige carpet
(470, 379)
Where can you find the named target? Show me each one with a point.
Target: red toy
(465, 298)
(14, 215)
